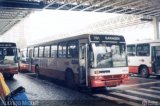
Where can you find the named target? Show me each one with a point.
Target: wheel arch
(70, 78)
(68, 70)
(36, 65)
(141, 66)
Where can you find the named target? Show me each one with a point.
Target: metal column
(156, 28)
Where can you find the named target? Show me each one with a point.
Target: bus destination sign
(107, 38)
(7, 45)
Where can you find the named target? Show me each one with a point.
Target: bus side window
(41, 51)
(30, 53)
(35, 54)
(27, 52)
(143, 50)
(131, 50)
(72, 48)
(62, 50)
(53, 50)
(47, 51)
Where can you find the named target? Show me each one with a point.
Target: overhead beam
(54, 1)
(62, 6)
(123, 5)
(134, 8)
(11, 19)
(112, 4)
(8, 26)
(78, 5)
(145, 10)
(155, 14)
(137, 9)
(100, 3)
(152, 12)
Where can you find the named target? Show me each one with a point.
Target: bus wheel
(69, 79)
(37, 71)
(144, 72)
(11, 76)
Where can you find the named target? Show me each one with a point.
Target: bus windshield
(8, 55)
(109, 55)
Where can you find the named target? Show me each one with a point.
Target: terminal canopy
(13, 11)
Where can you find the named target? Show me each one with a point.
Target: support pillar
(156, 28)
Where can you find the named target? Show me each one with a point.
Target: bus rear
(8, 59)
(23, 64)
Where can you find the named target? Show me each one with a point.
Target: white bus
(85, 60)
(144, 57)
(9, 59)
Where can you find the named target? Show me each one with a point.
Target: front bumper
(24, 67)
(10, 70)
(99, 83)
(104, 81)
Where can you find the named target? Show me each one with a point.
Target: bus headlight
(98, 78)
(96, 72)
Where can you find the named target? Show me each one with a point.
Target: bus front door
(156, 60)
(83, 64)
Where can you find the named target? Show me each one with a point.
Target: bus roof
(144, 41)
(84, 36)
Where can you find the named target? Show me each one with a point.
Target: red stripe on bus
(150, 70)
(52, 73)
(108, 81)
(60, 75)
(133, 69)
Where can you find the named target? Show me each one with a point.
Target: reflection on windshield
(7, 55)
(111, 55)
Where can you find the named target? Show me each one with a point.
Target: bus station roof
(13, 11)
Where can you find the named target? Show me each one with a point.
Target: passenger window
(36, 52)
(143, 50)
(47, 51)
(22, 54)
(41, 50)
(62, 50)
(30, 53)
(72, 48)
(27, 54)
(54, 51)
(131, 50)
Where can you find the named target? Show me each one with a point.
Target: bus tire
(37, 71)
(144, 72)
(69, 79)
(11, 76)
